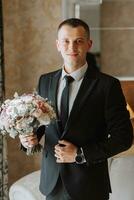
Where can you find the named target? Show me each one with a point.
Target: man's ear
(58, 45)
(89, 44)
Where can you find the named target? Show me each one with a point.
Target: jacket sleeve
(119, 128)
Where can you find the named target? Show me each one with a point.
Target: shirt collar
(77, 74)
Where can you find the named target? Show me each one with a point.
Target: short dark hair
(75, 22)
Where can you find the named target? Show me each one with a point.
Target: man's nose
(72, 45)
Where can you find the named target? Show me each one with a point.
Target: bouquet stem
(35, 149)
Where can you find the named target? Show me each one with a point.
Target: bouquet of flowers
(23, 115)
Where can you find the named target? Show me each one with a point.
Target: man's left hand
(65, 152)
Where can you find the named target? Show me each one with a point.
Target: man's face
(73, 44)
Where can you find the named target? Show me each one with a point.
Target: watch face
(79, 159)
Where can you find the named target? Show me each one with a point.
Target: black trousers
(60, 193)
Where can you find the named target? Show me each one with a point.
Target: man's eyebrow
(79, 38)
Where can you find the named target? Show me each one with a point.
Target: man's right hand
(29, 140)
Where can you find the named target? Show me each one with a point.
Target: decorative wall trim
(70, 6)
(3, 154)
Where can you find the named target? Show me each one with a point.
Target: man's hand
(65, 152)
(28, 140)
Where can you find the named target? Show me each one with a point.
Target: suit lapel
(54, 89)
(88, 83)
(53, 95)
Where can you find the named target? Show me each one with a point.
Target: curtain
(3, 155)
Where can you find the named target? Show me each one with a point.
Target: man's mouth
(72, 54)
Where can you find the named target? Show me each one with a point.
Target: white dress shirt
(78, 76)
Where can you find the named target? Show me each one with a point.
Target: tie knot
(69, 79)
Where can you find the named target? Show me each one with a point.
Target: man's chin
(72, 63)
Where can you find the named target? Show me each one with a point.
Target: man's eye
(79, 41)
(65, 41)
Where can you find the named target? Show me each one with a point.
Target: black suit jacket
(98, 122)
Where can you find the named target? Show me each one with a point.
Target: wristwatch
(79, 159)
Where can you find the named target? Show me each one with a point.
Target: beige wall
(117, 44)
(29, 45)
(30, 33)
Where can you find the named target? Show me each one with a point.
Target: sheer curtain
(3, 155)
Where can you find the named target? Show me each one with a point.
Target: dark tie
(65, 102)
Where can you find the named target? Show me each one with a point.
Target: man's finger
(63, 142)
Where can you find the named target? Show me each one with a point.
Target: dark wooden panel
(128, 90)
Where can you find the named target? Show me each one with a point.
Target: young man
(74, 165)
